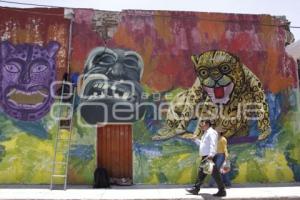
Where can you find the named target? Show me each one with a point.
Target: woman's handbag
(225, 167)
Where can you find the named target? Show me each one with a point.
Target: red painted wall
(166, 41)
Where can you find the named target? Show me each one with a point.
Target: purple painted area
(27, 71)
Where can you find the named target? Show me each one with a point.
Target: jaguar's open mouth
(99, 89)
(220, 94)
(23, 99)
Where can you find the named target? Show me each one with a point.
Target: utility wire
(205, 19)
(32, 4)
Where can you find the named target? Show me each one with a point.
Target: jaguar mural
(27, 71)
(226, 92)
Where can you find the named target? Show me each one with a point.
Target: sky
(288, 8)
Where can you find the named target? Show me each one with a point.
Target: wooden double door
(114, 149)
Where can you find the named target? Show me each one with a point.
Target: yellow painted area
(153, 179)
(276, 167)
(272, 168)
(64, 134)
(295, 154)
(185, 176)
(27, 160)
(242, 172)
(183, 156)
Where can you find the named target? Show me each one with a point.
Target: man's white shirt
(208, 143)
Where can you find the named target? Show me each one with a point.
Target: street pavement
(142, 192)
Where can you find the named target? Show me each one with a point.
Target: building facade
(144, 78)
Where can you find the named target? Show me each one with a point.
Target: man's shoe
(193, 190)
(220, 193)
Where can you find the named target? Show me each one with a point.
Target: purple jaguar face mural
(27, 71)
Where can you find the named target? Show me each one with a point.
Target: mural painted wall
(33, 47)
(164, 64)
(218, 59)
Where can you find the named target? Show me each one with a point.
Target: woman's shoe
(220, 193)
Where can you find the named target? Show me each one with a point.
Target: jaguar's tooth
(105, 86)
(116, 95)
(125, 95)
(11, 92)
(100, 85)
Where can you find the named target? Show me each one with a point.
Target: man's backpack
(101, 178)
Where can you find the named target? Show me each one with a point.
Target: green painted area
(27, 159)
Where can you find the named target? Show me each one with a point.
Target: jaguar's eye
(225, 68)
(39, 68)
(203, 73)
(13, 68)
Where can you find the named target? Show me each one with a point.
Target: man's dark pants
(215, 174)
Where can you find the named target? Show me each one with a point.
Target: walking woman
(221, 156)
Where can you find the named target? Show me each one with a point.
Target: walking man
(207, 150)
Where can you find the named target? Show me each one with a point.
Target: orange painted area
(160, 27)
(210, 31)
(123, 38)
(149, 61)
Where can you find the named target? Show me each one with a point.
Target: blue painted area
(74, 78)
(32, 128)
(253, 129)
(275, 103)
(242, 139)
(152, 125)
(82, 152)
(10, 125)
(150, 150)
(2, 152)
(292, 163)
(296, 170)
(2, 137)
(192, 125)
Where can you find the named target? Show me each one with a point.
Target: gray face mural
(27, 71)
(111, 90)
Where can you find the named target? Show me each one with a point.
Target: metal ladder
(63, 141)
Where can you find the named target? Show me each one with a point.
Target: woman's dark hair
(207, 122)
(66, 76)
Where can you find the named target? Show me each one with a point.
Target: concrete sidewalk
(288, 191)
